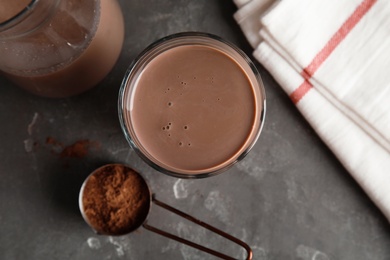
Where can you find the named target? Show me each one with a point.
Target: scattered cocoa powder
(79, 149)
(50, 140)
(115, 199)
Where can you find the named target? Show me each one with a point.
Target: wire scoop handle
(201, 223)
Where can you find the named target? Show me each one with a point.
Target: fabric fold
(352, 146)
(331, 58)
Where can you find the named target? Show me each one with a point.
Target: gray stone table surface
(289, 198)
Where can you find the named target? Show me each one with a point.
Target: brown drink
(67, 54)
(193, 107)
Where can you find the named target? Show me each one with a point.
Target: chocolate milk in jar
(59, 48)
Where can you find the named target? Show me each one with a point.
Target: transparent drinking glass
(128, 101)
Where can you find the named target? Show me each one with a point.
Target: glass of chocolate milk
(192, 105)
(59, 48)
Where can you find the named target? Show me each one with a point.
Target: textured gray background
(289, 198)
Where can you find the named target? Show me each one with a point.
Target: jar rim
(19, 16)
(29, 12)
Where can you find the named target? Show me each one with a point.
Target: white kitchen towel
(333, 59)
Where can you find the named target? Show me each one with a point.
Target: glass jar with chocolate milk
(59, 48)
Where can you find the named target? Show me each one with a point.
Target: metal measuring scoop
(140, 209)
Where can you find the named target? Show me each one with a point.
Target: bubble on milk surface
(167, 127)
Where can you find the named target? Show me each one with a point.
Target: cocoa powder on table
(115, 199)
(78, 149)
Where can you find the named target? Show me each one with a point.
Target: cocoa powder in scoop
(115, 200)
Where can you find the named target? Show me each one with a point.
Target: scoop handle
(201, 223)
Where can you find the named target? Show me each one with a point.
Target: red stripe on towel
(330, 46)
(300, 91)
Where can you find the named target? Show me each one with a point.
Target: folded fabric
(331, 57)
(248, 17)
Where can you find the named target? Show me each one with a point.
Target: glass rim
(185, 174)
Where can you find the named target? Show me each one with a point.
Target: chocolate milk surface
(194, 109)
